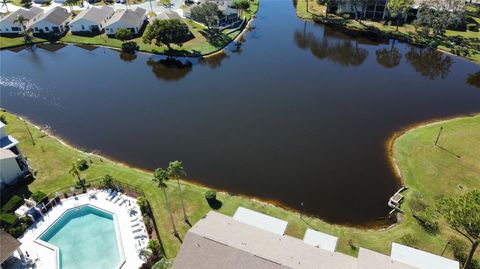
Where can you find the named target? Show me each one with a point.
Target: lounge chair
(134, 219)
(134, 224)
(137, 230)
(111, 197)
(118, 198)
(109, 192)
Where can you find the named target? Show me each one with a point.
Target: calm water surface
(298, 113)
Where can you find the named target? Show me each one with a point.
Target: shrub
(81, 164)
(154, 246)
(3, 119)
(427, 220)
(148, 223)
(459, 249)
(409, 240)
(26, 3)
(473, 27)
(123, 34)
(18, 230)
(210, 195)
(12, 204)
(107, 181)
(130, 47)
(162, 264)
(38, 196)
(7, 220)
(142, 203)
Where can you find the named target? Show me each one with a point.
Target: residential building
(9, 245)
(373, 9)
(127, 19)
(12, 163)
(229, 15)
(91, 20)
(9, 26)
(219, 241)
(54, 21)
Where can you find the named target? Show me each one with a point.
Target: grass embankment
(10, 42)
(462, 43)
(201, 44)
(427, 170)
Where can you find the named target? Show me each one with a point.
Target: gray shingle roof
(94, 14)
(169, 15)
(27, 13)
(129, 17)
(56, 15)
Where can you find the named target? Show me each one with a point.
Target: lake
(298, 113)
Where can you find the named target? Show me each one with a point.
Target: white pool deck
(46, 258)
(261, 221)
(320, 240)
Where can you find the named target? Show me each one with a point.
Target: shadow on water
(474, 79)
(169, 70)
(429, 63)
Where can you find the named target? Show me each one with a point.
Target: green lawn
(427, 170)
(462, 43)
(8, 42)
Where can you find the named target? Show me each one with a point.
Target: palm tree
(161, 176)
(4, 4)
(74, 171)
(175, 170)
(21, 20)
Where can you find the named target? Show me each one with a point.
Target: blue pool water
(86, 238)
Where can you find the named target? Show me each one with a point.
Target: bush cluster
(38, 196)
(13, 204)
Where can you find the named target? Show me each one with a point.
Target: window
(15, 29)
(83, 27)
(46, 29)
(36, 29)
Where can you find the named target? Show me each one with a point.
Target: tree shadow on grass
(216, 37)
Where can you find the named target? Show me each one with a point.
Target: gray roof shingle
(129, 17)
(27, 13)
(94, 14)
(56, 15)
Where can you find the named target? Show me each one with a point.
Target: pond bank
(462, 44)
(199, 46)
(52, 158)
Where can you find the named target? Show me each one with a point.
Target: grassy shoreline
(447, 43)
(52, 158)
(199, 46)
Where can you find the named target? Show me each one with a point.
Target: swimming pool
(86, 238)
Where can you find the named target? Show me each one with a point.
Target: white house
(54, 21)
(12, 163)
(91, 20)
(8, 26)
(127, 19)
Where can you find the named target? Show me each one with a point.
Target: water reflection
(214, 61)
(341, 52)
(127, 57)
(474, 79)
(165, 71)
(429, 63)
(388, 58)
(52, 47)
